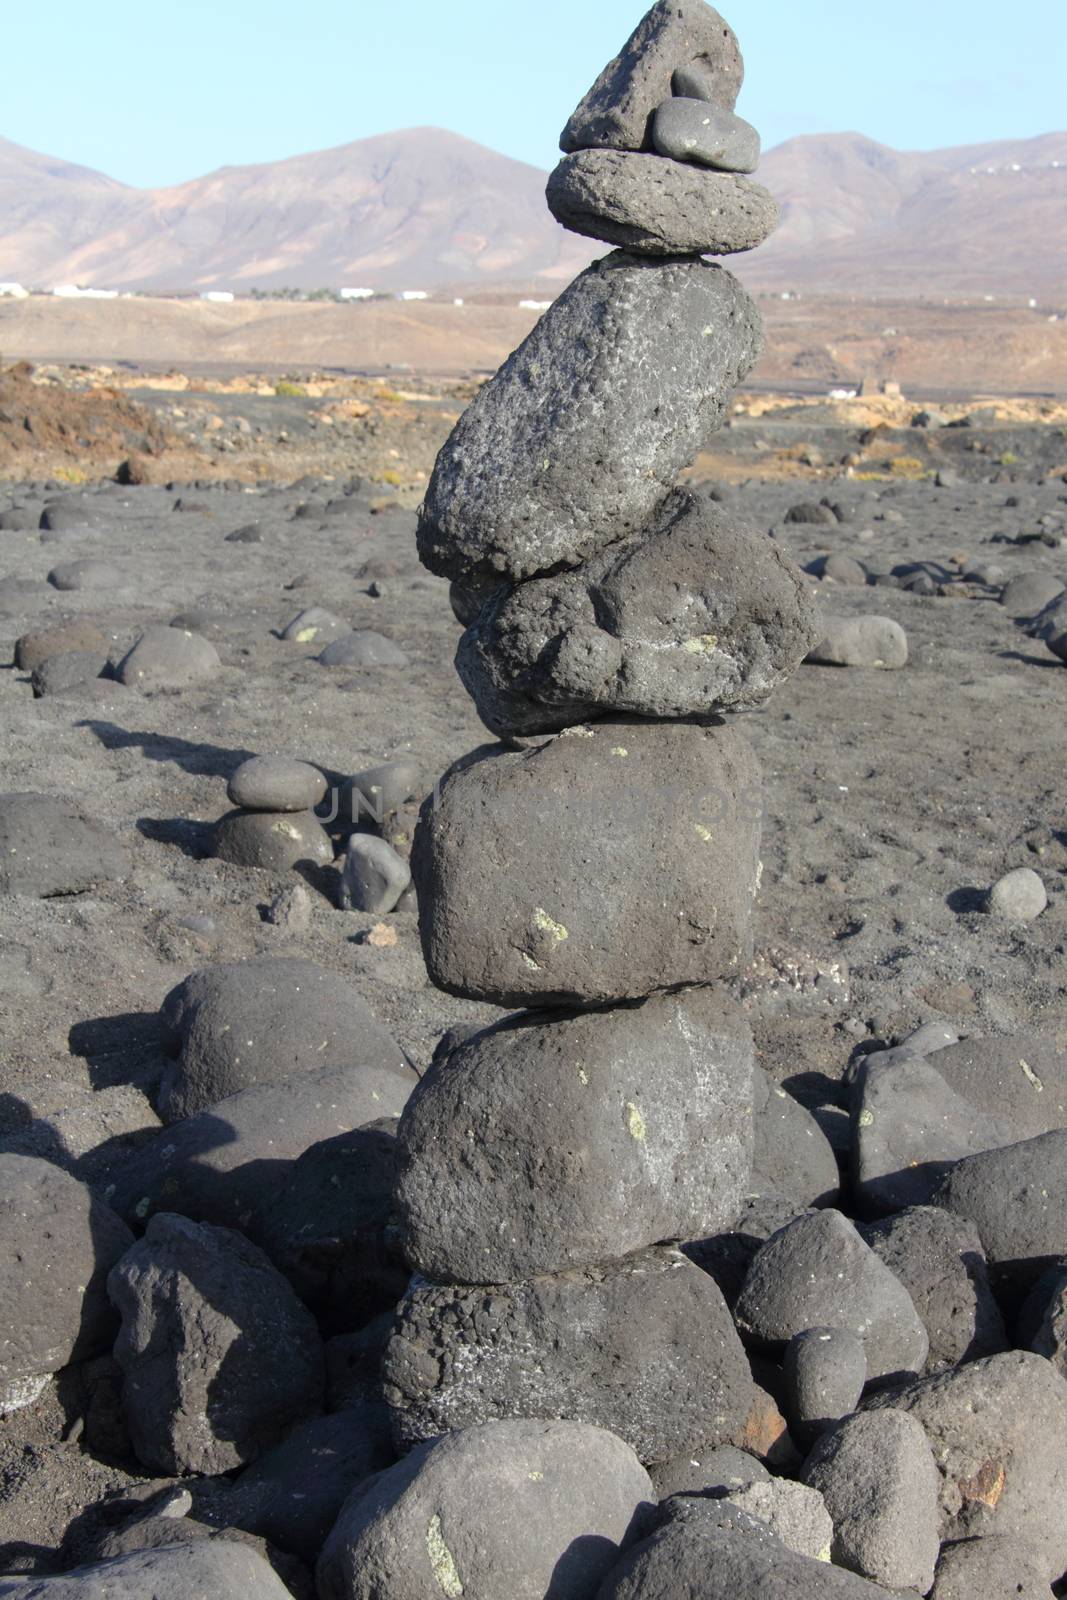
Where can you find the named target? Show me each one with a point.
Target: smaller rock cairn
(600, 867)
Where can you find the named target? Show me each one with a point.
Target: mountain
(424, 208)
(411, 209)
(858, 216)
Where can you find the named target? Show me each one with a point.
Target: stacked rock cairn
(598, 866)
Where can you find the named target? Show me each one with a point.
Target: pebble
(76, 575)
(258, 1021)
(697, 130)
(364, 648)
(34, 649)
(168, 658)
(1018, 896)
(1016, 1196)
(221, 1568)
(825, 1370)
(219, 1358)
(908, 1126)
(314, 625)
(516, 1508)
(272, 840)
(720, 1552)
(654, 207)
(373, 876)
(276, 783)
(990, 1565)
(66, 671)
(791, 1155)
(375, 793)
(861, 642)
(294, 1494)
(291, 911)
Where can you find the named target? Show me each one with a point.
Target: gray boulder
(1017, 1199)
(697, 614)
(795, 1513)
(293, 1494)
(654, 207)
(818, 1273)
(719, 1552)
(330, 1228)
(199, 1567)
(908, 1126)
(33, 649)
(232, 1159)
(825, 1370)
(644, 1347)
(259, 1021)
(617, 112)
(1029, 592)
(58, 1243)
(938, 1258)
(791, 1156)
(993, 1566)
(880, 1484)
(517, 1508)
(613, 861)
(219, 1358)
(584, 429)
(689, 129)
(998, 1430)
(1020, 1079)
(49, 847)
(541, 1144)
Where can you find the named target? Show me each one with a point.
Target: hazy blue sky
(156, 93)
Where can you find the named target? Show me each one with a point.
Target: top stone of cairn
(677, 37)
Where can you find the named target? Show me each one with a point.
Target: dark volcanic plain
(893, 798)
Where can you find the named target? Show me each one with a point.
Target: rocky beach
(533, 952)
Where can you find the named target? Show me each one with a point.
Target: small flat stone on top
(697, 130)
(276, 783)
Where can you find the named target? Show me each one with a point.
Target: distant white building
(457, 302)
(72, 291)
(218, 297)
(356, 294)
(534, 305)
(14, 291)
(413, 294)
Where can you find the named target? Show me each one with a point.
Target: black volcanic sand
(892, 798)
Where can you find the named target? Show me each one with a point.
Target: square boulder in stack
(613, 861)
(640, 1130)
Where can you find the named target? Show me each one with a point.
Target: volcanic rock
(608, 863)
(698, 614)
(584, 429)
